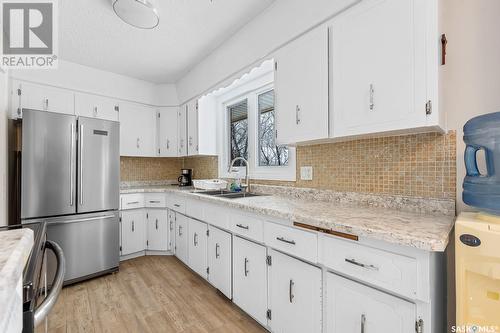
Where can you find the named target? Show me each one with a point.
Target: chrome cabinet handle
(290, 291)
(284, 240)
(138, 142)
(217, 255)
(297, 114)
(156, 224)
(180, 231)
(46, 103)
(133, 226)
(154, 201)
(195, 239)
(133, 203)
(168, 144)
(372, 92)
(363, 323)
(81, 165)
(359, 264)
(177, 205)
(95, 111)
(245, 267)
(71, 189)
(242, 226)
(190, 140)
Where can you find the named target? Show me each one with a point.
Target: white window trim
(250, 91)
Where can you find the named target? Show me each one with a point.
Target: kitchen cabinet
(353, 307)
(167, 131)
(137, 130)
(294, 295)
(26, 95)
(171, 230)
(133, 231)
(192, 127)
(157, 229)
(181, 238)
(301, 88)
(182, 130)
(93, 106)
(197, 247)
(219, 260)
(387, 79)
(250, 278)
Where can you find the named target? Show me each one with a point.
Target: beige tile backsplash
(417, 165)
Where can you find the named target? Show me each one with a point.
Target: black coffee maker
(185, 177)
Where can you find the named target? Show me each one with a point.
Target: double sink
(228, 194)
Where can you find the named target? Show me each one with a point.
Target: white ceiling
(92, 35)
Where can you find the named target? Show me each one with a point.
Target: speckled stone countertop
(390, 222)
(15, 248)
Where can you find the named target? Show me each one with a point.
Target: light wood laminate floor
(148, 294)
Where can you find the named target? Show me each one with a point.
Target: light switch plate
(306, 173)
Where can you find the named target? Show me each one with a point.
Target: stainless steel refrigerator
(70, 174)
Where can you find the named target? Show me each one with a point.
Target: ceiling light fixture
(138, 13)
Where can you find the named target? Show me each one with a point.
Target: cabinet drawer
(132, 201)
(176, 203)
(388, 270)
(194, 208)
(217, 216)
(303, 244)
(247, 226)
(155, 200)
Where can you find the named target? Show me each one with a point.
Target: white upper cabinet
(193, 147)
(353, 307)
(94, 106)
(383, 67)
(301, 88)
(137, 130)
(182, 131)
(167, 131)
(26, 95)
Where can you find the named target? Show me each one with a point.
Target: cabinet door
(353, 307)
(250, 278)
(137, 130)
(182, 130)
(45, 98)
(181, 237)
(294, 295)
(192, 128)
(378, 81)
(167, 131)
(157, 220)
(133, 231)
(219, 260)
(301, 88)
(94, 106)
(197, 247)
(171, 230)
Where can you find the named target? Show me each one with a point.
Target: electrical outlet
(306, 173)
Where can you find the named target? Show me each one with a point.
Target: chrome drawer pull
(282, 239)
(354, 262)
(154, 201)
(242, 226)
(133, 203)
(177, 205)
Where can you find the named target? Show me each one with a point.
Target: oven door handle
(48, 303)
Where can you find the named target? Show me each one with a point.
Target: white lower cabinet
(250, 278)
(294, 295)
(157, 231)
(171, 230)
(219, 260)
(353, 307)
(181, 237)
(133, 231)
(197, 247)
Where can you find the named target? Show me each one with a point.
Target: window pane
(238, 122)
(270, 154)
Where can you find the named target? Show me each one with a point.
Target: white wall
(470, 83)
(3, 148)
(278, 24)
(88, 79)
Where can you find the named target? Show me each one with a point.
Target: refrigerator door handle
(81, 164)
(81, 220)
(71, 166)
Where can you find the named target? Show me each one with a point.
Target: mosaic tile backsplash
(417, 165)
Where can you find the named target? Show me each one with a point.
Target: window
(270, 154)
(238, 129)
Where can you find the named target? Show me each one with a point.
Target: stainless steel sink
(228, 194)
(214, 193)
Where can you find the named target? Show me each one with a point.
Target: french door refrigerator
(70, 174)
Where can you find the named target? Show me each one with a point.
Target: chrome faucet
(233, 169)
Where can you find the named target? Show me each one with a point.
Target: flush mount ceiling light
(138, 13)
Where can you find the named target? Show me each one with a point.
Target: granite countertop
(423, 230)
(15, 248)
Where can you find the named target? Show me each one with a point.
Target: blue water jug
(482, 190)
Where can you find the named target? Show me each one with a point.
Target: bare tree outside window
(270, 154)
(238, 122)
